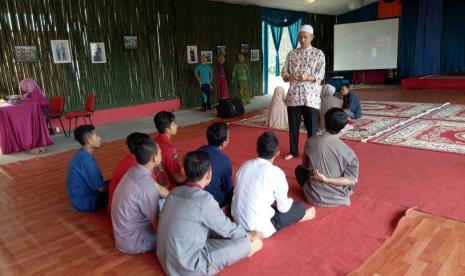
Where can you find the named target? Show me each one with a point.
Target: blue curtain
(407, 38)
(453, 37)
(265, 56)
(428, 38)
(277, 33)
(294, 32)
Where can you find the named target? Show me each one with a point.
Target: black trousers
(282, 220)
(302, 175)
(294, 114)
(207, 94)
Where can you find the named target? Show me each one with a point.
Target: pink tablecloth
(22, 127)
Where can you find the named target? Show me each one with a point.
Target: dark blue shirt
(84, 180)
(221, 186)
(352, 102)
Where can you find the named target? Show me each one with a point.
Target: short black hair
(145, 149)
(133, 139)
(267, 145)
(163, 120)
(335, 120)
(217, 133)
(81, 133)
(196, 165)
(346, 85)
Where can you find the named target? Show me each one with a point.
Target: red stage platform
(450, 81)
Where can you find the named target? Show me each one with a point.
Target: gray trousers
(221, 253)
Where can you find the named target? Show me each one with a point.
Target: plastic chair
(55, 111)
(90, 106)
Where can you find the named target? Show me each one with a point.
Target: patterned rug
(364, 127)
(451, 112)
(435, 135)
(395, 109)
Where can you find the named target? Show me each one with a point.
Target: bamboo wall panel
(207, 24)
(128, 77)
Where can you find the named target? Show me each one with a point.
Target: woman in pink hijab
(33, 92)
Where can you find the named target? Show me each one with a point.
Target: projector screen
(366, 45)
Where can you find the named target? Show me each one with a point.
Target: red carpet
(339, 239)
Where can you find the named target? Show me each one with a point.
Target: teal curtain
(277, 33)
(294, 32)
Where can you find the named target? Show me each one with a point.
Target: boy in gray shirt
(189, 215)
(329, 167)
(135, 202)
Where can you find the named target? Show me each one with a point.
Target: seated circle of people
(259, 184)
(86, 188)
(194, 236)
(170, 174)
(329, 167)
(351, 103)
(221, 184)
(135, 202)
(127, 162)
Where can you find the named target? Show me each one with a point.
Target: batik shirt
(305, 61)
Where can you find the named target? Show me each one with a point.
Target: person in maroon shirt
(128, 162)
(171, 174)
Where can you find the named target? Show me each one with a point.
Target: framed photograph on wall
(26, 54)
(192, 57)
(60, 51)
(245, 48)
(254, 55)
(130, 42)
(221, 50)
(97, 52)
(208, 55)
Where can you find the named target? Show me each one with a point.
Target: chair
(55, 110)
(90, 106)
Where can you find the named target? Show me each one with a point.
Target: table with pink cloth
(22, 127)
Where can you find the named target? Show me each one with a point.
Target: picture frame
(60, 51)
(26, 53)
(221, 50)
(130, 42)
(255, 55)
(97, 52)
(208, 55)
(245, 48)
(192, 57)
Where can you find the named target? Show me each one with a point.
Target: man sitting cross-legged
(128, 162)
(86, 188)
(329, 167)
(188, 216)
(259, 184)
(170, 172)
(135, 202)
(221, 185)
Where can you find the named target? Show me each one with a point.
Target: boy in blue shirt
(221, 185)
(351, 103)
(86, 188)
(204, 74)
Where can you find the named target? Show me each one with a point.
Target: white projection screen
(366, 45)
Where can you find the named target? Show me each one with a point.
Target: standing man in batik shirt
(304, 69)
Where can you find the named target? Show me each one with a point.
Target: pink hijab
(33, 91)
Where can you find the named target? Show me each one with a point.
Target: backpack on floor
(230, 107)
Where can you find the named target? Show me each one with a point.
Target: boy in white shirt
(259, 184)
